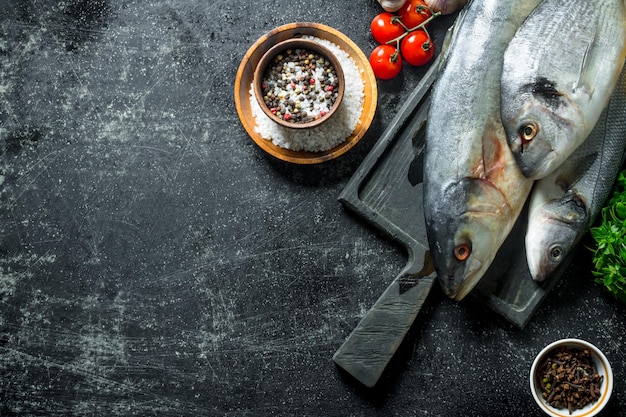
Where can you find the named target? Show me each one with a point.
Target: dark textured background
(154, 261)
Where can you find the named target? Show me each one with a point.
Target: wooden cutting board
(386, 192)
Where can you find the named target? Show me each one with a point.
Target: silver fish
(473, 189)
(558, 74)
(565, 204)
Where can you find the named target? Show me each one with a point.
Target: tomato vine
(403, 35)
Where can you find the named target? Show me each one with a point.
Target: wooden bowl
(245, 75)
(282, 48)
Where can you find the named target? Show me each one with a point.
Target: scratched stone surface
(154, 261)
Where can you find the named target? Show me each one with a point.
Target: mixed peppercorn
(300, 86)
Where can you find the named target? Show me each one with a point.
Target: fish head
(463, 241)
(557, 226)
(543, 126)
(455, 257)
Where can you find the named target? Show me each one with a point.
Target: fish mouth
(457, 285)
(545, 253)
(538, 266)
(453, 275)
(543, 264)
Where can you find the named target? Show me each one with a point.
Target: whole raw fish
(473, 189)
(565, 204)
(558, 74)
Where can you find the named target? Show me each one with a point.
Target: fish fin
(451, 35)
(572, 171)
(585, 81)
(445, 47)
(493, 148)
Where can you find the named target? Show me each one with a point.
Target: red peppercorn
(312, 81)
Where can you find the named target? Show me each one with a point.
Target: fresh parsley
(609, 255)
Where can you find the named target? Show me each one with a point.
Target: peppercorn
(300, 78)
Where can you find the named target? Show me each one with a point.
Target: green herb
(609, 256)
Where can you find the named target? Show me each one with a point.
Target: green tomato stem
(409, 30)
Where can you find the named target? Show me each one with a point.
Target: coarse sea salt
(333, 131)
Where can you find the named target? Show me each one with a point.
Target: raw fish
(558, 74)
(565, 204)
(473, 188)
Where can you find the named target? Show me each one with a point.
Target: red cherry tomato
(385, 27)
(417, 48)
(386, 62)
(413, 13)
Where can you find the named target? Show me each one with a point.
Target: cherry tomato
(413, 13)
(417, 48)
(384, 27)
(386, 62)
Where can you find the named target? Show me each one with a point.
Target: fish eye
(556, 252)
(528, 131)
(462, 251)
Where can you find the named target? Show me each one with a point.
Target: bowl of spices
(333, 137)
(571, 377)
(299, 83)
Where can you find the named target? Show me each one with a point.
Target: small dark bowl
(281, 48)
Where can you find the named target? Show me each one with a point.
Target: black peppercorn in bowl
(571, 377)
(299, 83)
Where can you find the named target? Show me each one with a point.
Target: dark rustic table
(155, 261)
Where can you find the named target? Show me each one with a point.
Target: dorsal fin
(585, 80)
(451, 35)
